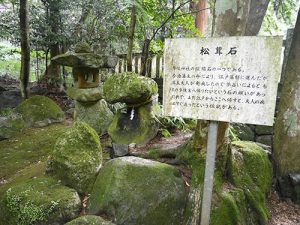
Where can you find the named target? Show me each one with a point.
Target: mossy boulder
(251, 171)
(39, 111)
(77, 157)
(129, 88)
(137, 191)
(96, 114)
(135, 125)
(11, 125)
(41, 201)
(89, 220)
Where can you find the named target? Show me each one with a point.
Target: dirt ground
(282, 212)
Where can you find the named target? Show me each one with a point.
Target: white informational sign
(232, 79)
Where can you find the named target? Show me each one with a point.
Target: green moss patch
(28, 148)
(89, 220)
(129, 88)
(251, 170)
(231, 208)
(39, 201)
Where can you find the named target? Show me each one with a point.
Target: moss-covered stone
(137, 191)
(77, 157)
(39, 201)
(138, 126)
(243, 132)
(95, 114)
(39, 111)
(251, 171)
(85, 95)
(231, 209)
(11, 125)
(240, 202)
(89, 220)
(129, 88)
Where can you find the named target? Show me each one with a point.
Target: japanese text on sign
(230, 79)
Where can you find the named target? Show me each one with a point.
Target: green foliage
(165, 132)
(169, 122)
(280, 15)
(10, 61)
(233, 134)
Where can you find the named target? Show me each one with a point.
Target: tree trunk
(131, 38)
(200, 137)
(53, 71)
(25, 50)
(144, 57)
(287, 126)
(201, 16)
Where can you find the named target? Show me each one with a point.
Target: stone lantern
(90, 107)
(85, 65)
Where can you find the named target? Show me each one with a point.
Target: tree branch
(192, 12)
(169, 17)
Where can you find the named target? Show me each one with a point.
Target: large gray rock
(85, 95)
(40, 201)
(10, 99)
(138, 126)
(265, 139)
(264, 130)
(129, 88)
(89, 220)
(96, 114)
(137, 191)
(39, 111)
(77, 157)
(289, 187)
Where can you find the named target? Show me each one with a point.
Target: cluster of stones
(119, 189)
(136, 122)
(90, 106)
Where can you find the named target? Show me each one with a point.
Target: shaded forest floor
(25, 156)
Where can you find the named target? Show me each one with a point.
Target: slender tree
(25, 49)
(131, 38)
